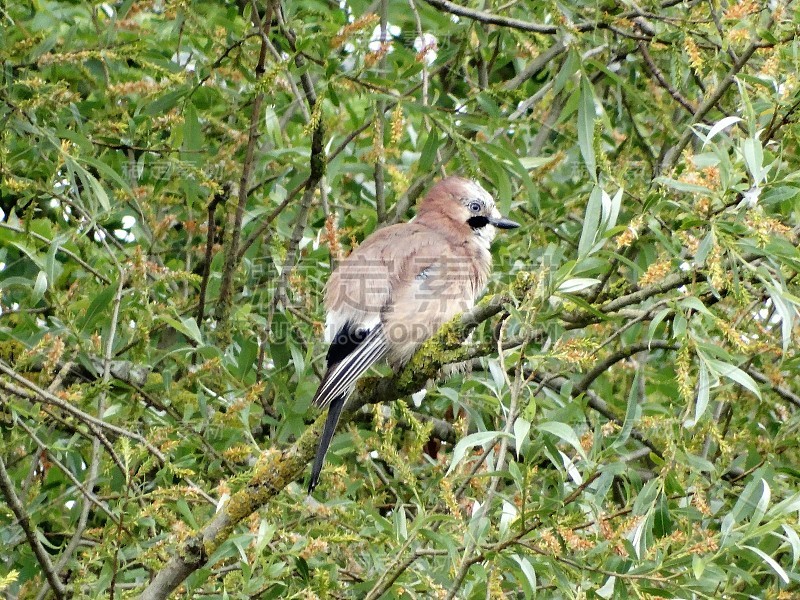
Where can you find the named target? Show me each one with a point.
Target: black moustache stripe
(477, 222)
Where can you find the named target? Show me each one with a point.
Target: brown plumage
(401, 285)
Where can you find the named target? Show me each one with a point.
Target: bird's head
(464, 203)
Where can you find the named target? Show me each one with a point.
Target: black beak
(503, 223)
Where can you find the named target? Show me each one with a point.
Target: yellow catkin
(740, 10)
(397, 122)
(655, 272)
(716, 272)
(631, 233)
(683, 371)
(693, 52)
(347, 31)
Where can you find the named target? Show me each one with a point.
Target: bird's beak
(503, 223)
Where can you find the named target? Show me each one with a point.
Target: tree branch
(659, 76)
(485, 17)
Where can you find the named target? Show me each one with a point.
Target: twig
(421, 35)
(781, 390)
(253, 237)
(536, 66)
(388, 577)
(380, 125)
(94, 462)
(87, 493)
(317, 162)
(595, 402)
(380, 194)
(491, 19)
(210, 234)
(659, 76)
(613, 358)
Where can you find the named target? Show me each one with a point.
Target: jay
(403, 283)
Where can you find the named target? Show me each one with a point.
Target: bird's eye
(475, 207)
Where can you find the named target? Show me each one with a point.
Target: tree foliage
(177, 179)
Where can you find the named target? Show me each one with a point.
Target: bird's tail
(334, 412)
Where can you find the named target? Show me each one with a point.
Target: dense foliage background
(177, 178)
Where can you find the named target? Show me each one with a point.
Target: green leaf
(31, 253)
(429, 151)
(750, 497)
(565, 432)
(192, 134)
(607, 589)
(586, 118)
(577, 284)
(632, 413)
(794, 542)
(39, 287)
(568, 69)
(611, 208)
(279, 350)
(528, 580)
(521, 429)
(784, 311)
(50, 262)
(761, 505)
(698, 566)
(474, 439)
(683, 187)
(770, 562)
(718, 127)
(100, 306)
(754, 159)
(646, 497)
(535, 162)
(165, 103)
(400, 524)
(187, 326)
(662, 521)
(99, 191)
(657, 320)
(186, 512)
(591, 222)
(703, 393)
(780, 194)
(733, 373)
(247, 356)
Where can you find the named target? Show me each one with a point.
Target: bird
(396, 289)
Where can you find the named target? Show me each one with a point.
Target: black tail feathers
(334, 412)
